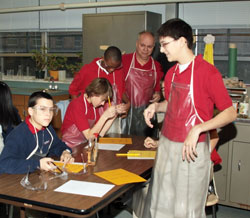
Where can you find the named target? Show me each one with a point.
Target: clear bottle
(92, 151)
(19, 71)
(244, 107)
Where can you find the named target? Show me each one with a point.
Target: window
(221, 48)
(17, 48)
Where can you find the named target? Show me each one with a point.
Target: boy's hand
(66, 157)
(46, 164)
(110, 112)
(150, 143)
(189, 152)
(149, 113)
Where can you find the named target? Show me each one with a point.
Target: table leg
(22, 212)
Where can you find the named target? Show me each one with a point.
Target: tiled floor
(222, 212)
(230, 212)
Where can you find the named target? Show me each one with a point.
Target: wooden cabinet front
(21, 103)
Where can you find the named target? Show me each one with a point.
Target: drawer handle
(239, 165)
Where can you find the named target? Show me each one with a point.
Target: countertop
(243, 120)
(37, 84)
(27, 87)
(29, 91)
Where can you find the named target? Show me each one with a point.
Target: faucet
(52, 86)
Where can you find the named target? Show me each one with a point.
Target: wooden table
(11, 192)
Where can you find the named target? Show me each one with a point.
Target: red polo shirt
(89, 72)
(209, 89)
(76, 114)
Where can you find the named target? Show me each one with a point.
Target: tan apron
(179, 188)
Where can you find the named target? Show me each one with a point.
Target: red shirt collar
(30, 126)
(148, 65)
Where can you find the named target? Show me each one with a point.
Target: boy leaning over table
(32, 143)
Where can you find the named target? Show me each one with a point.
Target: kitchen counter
(37, 84)
(243, 120)
(29, 91)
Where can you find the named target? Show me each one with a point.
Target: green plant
(40, 58)
(56, 62)
(76, 66)
(72, 68)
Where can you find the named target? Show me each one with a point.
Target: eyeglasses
(164, 44)
(38, 185)
(44, 110)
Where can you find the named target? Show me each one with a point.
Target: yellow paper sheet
(71, 168)
(142, 154)
(120, 176)
(115, 140)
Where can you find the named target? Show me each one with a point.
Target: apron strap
(86, 111)
(132, 64)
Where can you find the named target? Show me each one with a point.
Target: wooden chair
(212, 197)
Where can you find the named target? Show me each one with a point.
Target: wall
(58, 20)
(216, 14)
(19, 21)
(212, 14)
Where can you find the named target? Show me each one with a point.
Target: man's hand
(156, 97)
(123, 109)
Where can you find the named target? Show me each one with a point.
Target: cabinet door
(221, 174)
(240, 174)
(19, 102)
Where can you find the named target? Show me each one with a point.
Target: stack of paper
(115, 140)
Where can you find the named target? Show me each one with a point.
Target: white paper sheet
(85, 188)
(111, 147)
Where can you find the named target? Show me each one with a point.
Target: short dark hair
(99, 86)
(113, 53)
(177, 28)
(36, 96)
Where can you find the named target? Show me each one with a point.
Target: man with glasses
(142, 76)
(32, 143)
(109, 67)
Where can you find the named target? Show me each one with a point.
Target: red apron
(140, 84)
(72, 136)
(181, 113)
(139, 88)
